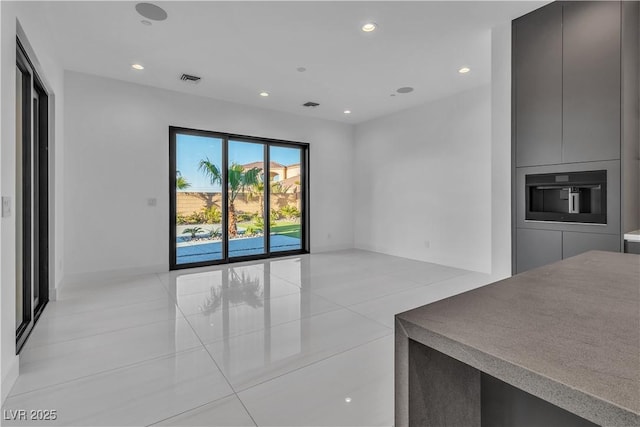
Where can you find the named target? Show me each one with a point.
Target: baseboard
(9, 378)
(76, 279)
(328, 248)
(53, 294)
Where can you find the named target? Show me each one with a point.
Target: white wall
(32, 22)
(433, 183)
(423, 180)
(117, 156)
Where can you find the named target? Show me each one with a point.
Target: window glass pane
(245, 198)
(199, 222)
(285, 197)
(18, 203)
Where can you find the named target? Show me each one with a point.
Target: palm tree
(257, 190)
(239, 180)
(181, 182)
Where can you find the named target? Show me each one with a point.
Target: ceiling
(243, 48)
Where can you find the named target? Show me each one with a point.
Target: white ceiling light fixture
(264, 94)
(137, 67)
(464, 70)
(369, 27)
(347, 111)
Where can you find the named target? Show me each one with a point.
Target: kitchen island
(557, 345)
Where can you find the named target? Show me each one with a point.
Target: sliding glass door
(285, 198)
(199, 222)
(262, 212)
(31, 197)
(245, 201)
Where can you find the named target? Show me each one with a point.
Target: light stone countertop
(568, 333)
(632, 236)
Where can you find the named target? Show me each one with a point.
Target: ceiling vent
(310, 104)
(189, 78)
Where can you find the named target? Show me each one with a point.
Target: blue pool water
(238, 247)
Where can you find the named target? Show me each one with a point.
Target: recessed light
(464, 70)
(347, 111)
(301, 69)
(405, 89)
(369, 26)
(265, 94)
(347, 399)
(137, 67)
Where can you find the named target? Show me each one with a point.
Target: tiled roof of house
(260, 165)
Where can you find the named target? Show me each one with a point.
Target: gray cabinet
(535, 248)
(577, 243)
(591, 81)
(632, 247)
(537, 74)
(575, 102)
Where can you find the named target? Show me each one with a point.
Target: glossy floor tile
(424, 273)
(68, 360)
(226, 322)
(352, 288)
(384, 309)
(106, 294)
(354, 388)
(249, 359)
(294, 341)
(52, 329)
(251, 290)
(228, 411)
(136, 395)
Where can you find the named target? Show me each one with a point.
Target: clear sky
(191, 149)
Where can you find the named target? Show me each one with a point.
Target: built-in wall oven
(567, 197)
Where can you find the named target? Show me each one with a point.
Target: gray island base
(558, 345)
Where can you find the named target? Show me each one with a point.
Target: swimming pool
(237, 247)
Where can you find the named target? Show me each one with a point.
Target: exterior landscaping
(204, 220)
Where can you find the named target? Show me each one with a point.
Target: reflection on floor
(237, 247)
(304, 340)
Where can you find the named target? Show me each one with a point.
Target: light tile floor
(297, 341)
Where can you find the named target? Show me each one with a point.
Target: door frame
(35, 190)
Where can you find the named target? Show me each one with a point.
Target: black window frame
(35, 189)
(226, 138)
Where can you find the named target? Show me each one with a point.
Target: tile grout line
(55, 316)
(253, 331)
(36, 346)
(174, 300)
(117, 368)
(378, 322)
(413, 288)
(193, 409)
(217, 367)
(318, 361)
(293, 370)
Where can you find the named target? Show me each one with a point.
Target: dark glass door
(246, 199)
(32, 199)
(199, 200)
(261, 212)
(285, 198)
